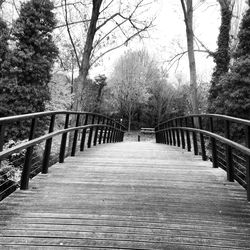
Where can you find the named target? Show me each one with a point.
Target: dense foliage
(4, 37)
(25, 88)
(221, 56)
(234, 98)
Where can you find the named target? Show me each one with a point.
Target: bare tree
(187, 7)
(107, 18)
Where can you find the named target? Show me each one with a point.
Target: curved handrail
(96, 129)
(40, 139)
(225, 117)
(179, 131)
(9, 119)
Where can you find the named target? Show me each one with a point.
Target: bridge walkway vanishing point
(131, 195)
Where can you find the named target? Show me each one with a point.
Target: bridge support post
(91, 132)
(229, 160)
(27, 162)
(2, 130)
(195, 146)
(188, 136)
(213, 144)
(203, 148)
(82, 143)
(73, 150)
(248, 163)
(182, 136)
(47, 149)
(64, 140)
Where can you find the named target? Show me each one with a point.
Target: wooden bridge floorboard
(128, 196)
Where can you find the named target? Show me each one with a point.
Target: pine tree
(4, 37)
(234, 98)
(25, 90)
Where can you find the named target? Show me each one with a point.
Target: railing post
(177, 133)
(166, 134)
(248, 163)
(2, 130)
(96, 130)
(156, 135)
(188, 136)
(105, 131)
(170, 134)
(195, 145)
(47, 150)
(110, 132)
(64, 140)
(91, 132)
(182, 135)
(213, 145)
(27, 162)
(173, 133)
(101, 131)
(203, 149)
(73, 150)
(230, 171)
(82, 143)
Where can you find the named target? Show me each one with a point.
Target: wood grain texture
(133, 195)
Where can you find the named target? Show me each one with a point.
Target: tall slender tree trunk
(187, 8)
(85, 63)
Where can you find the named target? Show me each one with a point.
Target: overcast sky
(168, 37)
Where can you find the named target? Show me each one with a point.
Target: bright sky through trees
(167, 38)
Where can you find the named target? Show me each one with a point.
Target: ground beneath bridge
(132, 195)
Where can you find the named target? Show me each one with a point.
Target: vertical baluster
(169, 134)
(96, 130)
(195, 145)
(156, 135)
(2, 132)
(112, 132)
(101, 131)
(82, 143)
(182, 135)
(177, 133)
(173, 133)
(230, 171)
(248, 162)
(109, 131)
(91, 131)
(64, 140)
(47, 150)
(74, 144)
(27, 162)
(203, 148)
(166, 134)
(188, 136)
(105, 131)
(213, 144)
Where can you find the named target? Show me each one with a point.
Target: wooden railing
(223, 139)
(88, 129)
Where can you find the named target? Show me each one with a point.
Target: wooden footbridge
(113, 194)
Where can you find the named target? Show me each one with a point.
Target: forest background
(126, 59)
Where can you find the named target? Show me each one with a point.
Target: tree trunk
(188, 15)
(85, 63)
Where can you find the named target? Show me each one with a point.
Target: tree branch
(70, 37)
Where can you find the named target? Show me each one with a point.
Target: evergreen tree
(26, 89)
(221, 56)
(4, 37)
(234, 98)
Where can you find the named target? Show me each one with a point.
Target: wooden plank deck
(128, 196)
